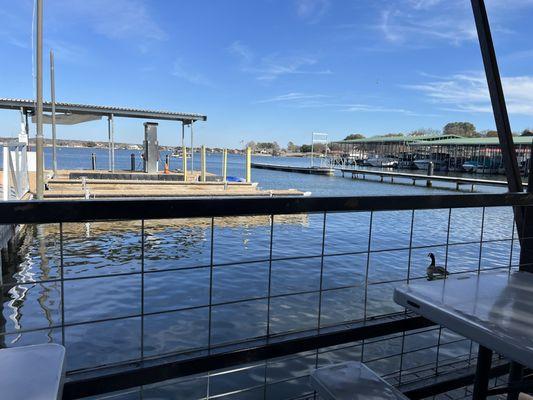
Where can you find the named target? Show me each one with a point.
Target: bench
(352, 381)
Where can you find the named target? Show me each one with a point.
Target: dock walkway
(302, 170)
(458, 181)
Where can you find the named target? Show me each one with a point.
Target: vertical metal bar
(142, 289)
(481, 240)
(192, 148)
(112, 133)
(62, 275)
(53, 100)
(211, 285)
(408, 279)
(526, 241)
(446, 269)
(516, 372)
(109, 142)
(321, 273)
(39, 111)
(269, 293)
(366, 277)
(183, 152)
(481, 381)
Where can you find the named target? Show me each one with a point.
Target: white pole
(192, 149)
(5, 178)
(39, 112)
(53, 99)
(112, 132)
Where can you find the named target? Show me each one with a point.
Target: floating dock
(80, 184)
(301, 170)
(390, 176)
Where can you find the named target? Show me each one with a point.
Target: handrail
(55, 211)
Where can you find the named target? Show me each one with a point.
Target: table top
(32, 372)
(494, 309)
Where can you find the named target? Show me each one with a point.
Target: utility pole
(39, 112)
(53, 99)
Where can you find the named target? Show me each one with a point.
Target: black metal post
(526, 234)
(93, 161)
(481, 382)
(512, 170)
(515, 376)
(132, 161)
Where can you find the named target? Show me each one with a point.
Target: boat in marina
(471, 166)
(381, 162)
(438, 165)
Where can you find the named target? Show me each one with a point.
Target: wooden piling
(202, 161)
(225, 165)
(248, 165)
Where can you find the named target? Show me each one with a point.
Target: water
(177, 258)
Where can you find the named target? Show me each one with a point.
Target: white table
(494, 309)
(32, 372)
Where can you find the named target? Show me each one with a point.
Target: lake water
(177, 262)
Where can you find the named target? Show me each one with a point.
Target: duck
(434, 271)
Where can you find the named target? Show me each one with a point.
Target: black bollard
(132, 161)
(167, 160)
(93, 161)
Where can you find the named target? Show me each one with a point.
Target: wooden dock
(63, 186)
(301, 170)
(390, 176)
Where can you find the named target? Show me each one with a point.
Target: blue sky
(272, 69)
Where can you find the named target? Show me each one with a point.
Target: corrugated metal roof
(474, 141)
(401, 139)
(125, 112)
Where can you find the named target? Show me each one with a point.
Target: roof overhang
(28, 106)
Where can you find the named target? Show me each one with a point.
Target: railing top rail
(20, 212)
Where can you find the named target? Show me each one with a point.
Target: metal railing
(15, 179)
(318, 288)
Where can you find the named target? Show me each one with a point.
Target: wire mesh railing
(122, 291)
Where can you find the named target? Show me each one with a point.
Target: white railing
(15, 179)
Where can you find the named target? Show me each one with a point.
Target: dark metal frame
(43, 212)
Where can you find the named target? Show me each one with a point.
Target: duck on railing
(434, 271)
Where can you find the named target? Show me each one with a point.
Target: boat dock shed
(448, 151)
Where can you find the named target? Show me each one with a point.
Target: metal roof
(73, 108)
(401, 139)
(474, 141)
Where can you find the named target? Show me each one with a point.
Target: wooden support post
(248, 165)
(224, 165)
(202, 160)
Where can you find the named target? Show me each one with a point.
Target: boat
(438, 165)
(487, 167)
(471, 166)
(382, 162)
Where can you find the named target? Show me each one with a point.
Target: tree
(354, 136)
(305, 148)
(425, 132)
(393, 135)
(491, 133)
(251, 145)
(292, 148)
(527, 132)
(465, 129)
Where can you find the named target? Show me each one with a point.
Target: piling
(167, 160)
(132, 161)
(224, 165)
(93, 161)
(202, 164)
(184, 163)
(248, 165)
(431, 168)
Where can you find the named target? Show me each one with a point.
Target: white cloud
(311, 11)
(468, 92)
(293, 96)
(272, 66)
(180, 71)
(117, 19)
(416, 28)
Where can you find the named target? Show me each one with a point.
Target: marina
(172, 272)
